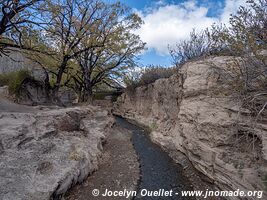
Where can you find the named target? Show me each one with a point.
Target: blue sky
(168, 21)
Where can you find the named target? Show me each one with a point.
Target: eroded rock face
(43, 154)
(187, 113)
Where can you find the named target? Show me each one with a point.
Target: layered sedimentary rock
(42, 154)
(192, 112)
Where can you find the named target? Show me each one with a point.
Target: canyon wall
(192, 113)
(44, 153)
(15, 61)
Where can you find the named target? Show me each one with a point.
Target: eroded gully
(130, 160)
(157, 169)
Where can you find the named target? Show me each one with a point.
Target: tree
(71, 24)
(88, 38)
(14, 16)
(115, 53)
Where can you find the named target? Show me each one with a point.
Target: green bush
(5, 78)
(14, 80)
(153, 127)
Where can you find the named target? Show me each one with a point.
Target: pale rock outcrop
(189, 113)
(44, 153)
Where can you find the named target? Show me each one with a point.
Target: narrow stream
(158, 171)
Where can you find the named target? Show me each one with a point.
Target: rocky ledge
(191, 112)
(44, 153)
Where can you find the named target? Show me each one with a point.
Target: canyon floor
(118, 168)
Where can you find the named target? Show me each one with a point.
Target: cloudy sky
(168, 21)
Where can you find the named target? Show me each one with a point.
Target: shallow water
(158, 171)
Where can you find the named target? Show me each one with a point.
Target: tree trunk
(88, 87)
(55, 93)
(88, 93)
(47, 88)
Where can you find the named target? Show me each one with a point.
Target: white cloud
(231, 6)
(166, 24)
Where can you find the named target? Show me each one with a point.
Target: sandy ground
(7, 105)
(118, 169)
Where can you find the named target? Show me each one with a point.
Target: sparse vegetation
(153, 126)
(244, 79)
(148, 75)
(246, 35)
(245, 39)
(198, 45)
(5, 78)
(153, 73)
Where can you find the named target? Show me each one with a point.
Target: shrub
(132, 78)
(14, 80)
(198, 45)
(153, 73)
(147, 76)
(247, 32)
(153, 127)
(6, 78)
(245, 40)
(246, 35)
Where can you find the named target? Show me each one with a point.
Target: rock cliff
(190, 113)
(44, 153)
